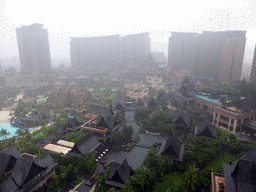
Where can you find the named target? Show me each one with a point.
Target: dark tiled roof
(60, 129)
(151, 103)
(119, 174)
(180, 118)
(250, 123)
(84, 145)
(162, 94)
(8, 159)
(172, 148)
(240, 175)
(27, 173)
(106, 121)
(206, 130)
(34, 113)
(72, 122)
(98, 110)
(187, 88)
(117, 105)
(42, 116)
(119, 101)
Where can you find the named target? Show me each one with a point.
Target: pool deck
(4, 117)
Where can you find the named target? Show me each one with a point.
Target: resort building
(232, 117)
(151, 104)
(101, 121)
(88, 143)
(172, 148)
(238, 175)
(137, 91)
(181, 122)
(206, 130)
(24, 173)
(119, 174)
(154, 80)
(34, 49)
(155, 64)
(57, 149)
(187, 98)
(119, 102)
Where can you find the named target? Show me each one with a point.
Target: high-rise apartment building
(136, 48)
(182, 51)
(34, 48)
(253, 70)
(96, 53)
(214, 54)
(109, 52)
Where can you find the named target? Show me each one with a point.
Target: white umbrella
(97, 160)
(106, 149)
(101, 155)
(104, 152)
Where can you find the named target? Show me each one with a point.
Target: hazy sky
(65, 18)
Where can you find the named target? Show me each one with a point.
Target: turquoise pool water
(10, 129)
(208, 99)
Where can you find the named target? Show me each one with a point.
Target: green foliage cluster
(197, 115)
(4, 133)
(201, 152)
(132, 145)
(141, 113)
(69, 167)
(160, 121)
(119, 138)
(75, 136)
(172, 98)
(192, 180)
(160, 165)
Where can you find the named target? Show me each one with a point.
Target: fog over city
(65, 19)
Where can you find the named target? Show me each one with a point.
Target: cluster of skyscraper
(209, 54)
(110, 51)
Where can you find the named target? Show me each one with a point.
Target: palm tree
(4, 133)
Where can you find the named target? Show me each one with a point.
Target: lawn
(216, 165)
(169, 181)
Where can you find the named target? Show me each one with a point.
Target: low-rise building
(231, 117)
(119, 174)
(88, 143)
(21, 173)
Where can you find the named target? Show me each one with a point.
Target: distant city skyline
(65, 19)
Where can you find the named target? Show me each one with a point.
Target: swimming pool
(10, 129)
(208, 99)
